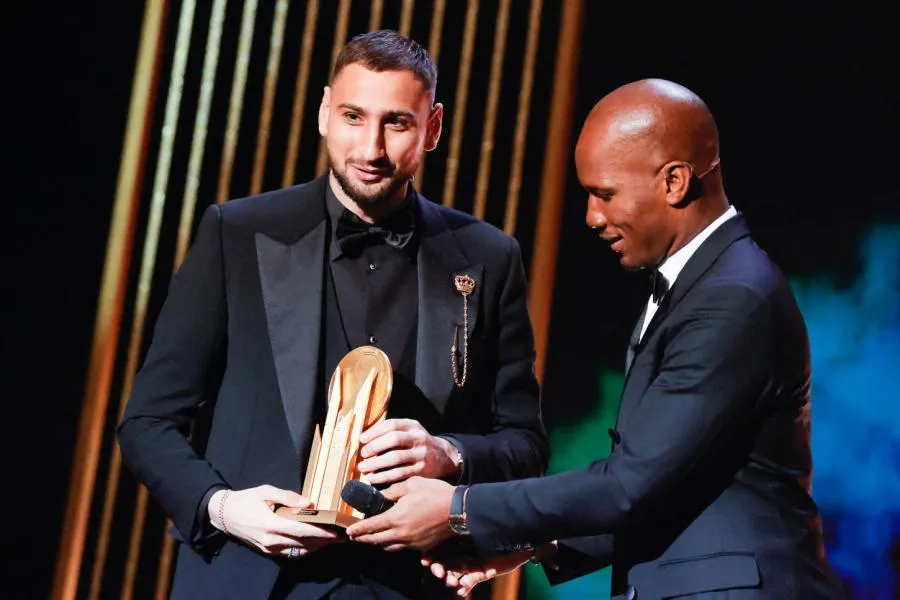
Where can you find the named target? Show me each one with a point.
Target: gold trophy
(358, 397)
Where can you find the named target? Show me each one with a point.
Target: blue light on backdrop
(855, 339)
(854, 335)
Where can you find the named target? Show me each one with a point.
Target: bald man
(706, 493)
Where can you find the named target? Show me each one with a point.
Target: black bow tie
(659, 285)
(353, 234)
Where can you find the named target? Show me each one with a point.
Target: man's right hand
(463, 576)
(249, 515)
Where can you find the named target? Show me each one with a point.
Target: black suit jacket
(237, 344)
(707, 488)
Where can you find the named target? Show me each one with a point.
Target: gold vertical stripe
(434, 48)
(437, 28)
(490, 113)
(340, 30)
(164, 572)
(185, 226)
(553, 191)
(107, 322)
(553, 178)
(522, 115)
(134, 544)
(340, 37)
(151, 243)
(406, 14)
(235, 102)
(201, 125)
(375, 14)
(459, 103)
(301, 89)
(276, 43)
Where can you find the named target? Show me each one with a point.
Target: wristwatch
(458, 522)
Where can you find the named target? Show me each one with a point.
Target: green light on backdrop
(575, 445)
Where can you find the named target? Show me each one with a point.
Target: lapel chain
(465, 285)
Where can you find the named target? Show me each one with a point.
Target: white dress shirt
(672, 266)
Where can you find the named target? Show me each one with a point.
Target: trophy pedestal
(358, 396)
(324, 518)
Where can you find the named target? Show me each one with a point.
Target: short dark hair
(387, 50)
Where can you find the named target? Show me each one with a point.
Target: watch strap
(458, 521)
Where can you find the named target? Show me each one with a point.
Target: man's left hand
(419, 519)
(396, 449)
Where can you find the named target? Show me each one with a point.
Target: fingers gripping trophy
(358, 396)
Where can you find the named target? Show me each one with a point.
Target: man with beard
(275, 290)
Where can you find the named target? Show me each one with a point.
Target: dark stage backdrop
(807, 108)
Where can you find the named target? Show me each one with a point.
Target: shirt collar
(673, 265)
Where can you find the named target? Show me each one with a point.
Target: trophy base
(325, 518)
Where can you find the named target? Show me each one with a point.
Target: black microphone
(364, 498)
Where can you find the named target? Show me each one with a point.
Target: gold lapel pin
(465, 285)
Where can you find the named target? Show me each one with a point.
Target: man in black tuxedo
(275, 290)
(706, 493)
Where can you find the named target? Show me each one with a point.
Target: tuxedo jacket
(236, 355)
(706, 493)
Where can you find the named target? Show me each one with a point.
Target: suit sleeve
(171, 385)
(517, 446)
(579, 556)
(714, 367)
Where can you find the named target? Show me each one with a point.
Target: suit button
(373, 340)
(372, 266)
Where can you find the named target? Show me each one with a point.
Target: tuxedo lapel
(702, 260)
(634, 340)
(291, 276)
(635, 345)
(440, 260)
(729, 232)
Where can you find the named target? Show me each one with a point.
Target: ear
(677, 181)
(324, 111)
(433, 129)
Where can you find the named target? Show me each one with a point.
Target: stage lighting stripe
(459, 103)
(434, 49)
(340, 37)
(553, 191)
(490, 113)
(148, 257)
(236, 100)
(276, 43)
(108, 321)
(522, 114)
(301, 90)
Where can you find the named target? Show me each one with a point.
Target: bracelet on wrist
(220, 511)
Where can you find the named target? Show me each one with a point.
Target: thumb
(396, 491)
(289, 498)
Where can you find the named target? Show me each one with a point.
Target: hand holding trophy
(358, 396)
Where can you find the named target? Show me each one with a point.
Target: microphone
(365, 498)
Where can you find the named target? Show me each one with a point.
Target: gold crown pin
(465, 285)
